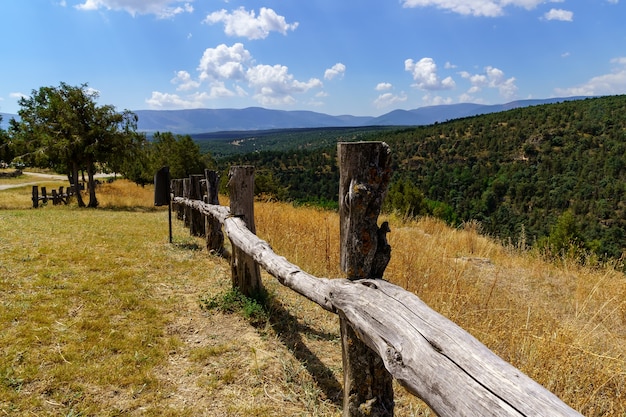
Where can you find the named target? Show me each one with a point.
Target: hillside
(516, 172)
(197, 121)
(202, 121)
(110, 319)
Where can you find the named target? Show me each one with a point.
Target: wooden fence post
(364, 169)
(214, 234)
(196, 225)
(44, 195)
(35, 196)
(187, 209)
(246, 272)
(177, 190)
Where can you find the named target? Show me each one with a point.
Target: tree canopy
(65, 129)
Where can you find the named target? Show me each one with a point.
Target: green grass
(100, 315)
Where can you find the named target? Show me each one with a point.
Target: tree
(63, 128)
(179, 152)
(6, 154)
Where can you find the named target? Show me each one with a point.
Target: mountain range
(194, 121)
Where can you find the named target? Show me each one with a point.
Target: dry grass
(564, 326)
(101, 316)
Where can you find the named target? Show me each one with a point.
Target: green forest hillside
(553, 175)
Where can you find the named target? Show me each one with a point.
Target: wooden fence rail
(57, 197)
(432, 357)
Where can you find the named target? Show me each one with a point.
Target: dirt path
(51, 177)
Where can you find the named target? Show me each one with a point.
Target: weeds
(254, 309)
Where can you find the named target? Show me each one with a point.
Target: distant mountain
(252, 118)
(196, 121)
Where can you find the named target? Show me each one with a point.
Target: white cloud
(383, 86)
(226, 71)
(163, 9)
(18, 96)
(424, 73)
(184, 81)
(607, 84)
(436, 100)
(160, 100)
(491, 78)
(246, 24)
(488, 8)
(389, 99)
(559, 14)
(228, 62)
(274, 85)
(337, 70)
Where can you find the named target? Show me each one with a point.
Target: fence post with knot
(364, 170)
(246, 273)
(214, 234)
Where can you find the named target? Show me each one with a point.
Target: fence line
(432, 357)
(57, 197)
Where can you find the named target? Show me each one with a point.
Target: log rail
(432, 357)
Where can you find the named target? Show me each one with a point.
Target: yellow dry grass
(101, 316)
(565, 326)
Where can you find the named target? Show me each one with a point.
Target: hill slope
(197, 121)
(517, 172)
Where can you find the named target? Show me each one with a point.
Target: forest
(552, 176)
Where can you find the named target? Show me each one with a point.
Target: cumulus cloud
(227, 62)
(606, 84)
(436, 100)
(274, 85)
(424, 74)
(163, 9)
(488, 8)
(389, 99)
(383, 86)
(491, 78)
(184, 81)
(559, 14)
(226, 71)
(336, 71)
(160, 100)
(247, 24)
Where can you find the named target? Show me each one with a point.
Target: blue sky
(364, 57)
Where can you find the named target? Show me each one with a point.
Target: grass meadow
(101, 315)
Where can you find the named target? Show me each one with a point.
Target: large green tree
(179, 152)
(64, 128)
(5, 151)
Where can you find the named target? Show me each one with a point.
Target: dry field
(102, 316)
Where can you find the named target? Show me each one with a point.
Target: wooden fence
(386, 332)
(57, 197)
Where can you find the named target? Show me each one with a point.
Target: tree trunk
(93, 201)
(79, 197)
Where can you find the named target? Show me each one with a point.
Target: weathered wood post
(35, 196)
(246, 272)
(44, 195)
(364, 169)
(214, 234)
(187, 209)
(177, 190)
(196, 226)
